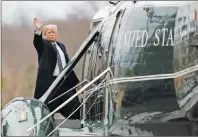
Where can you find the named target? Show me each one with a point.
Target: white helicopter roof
(106, 10)
(162, 3)
(102, 13)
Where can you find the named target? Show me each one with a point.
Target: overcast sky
(12, 10)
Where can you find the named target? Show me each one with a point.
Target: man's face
(51, 34)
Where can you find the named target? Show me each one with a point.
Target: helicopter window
(94, 24)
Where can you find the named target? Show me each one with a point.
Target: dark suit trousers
(70, 107)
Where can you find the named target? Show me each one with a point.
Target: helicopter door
(97, 56)
(96, 61)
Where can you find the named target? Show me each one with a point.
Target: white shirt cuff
(38, 32)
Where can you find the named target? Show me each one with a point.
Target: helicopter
(153, 39)
(148, 48)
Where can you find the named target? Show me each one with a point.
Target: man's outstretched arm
(38, 40)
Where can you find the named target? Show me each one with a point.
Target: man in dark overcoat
(52, 58)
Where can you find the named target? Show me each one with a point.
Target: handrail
(70, 99)
(68, 91)
(75, 110)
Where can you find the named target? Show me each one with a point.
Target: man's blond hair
(46, 27)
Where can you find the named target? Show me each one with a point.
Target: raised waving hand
(38, 24)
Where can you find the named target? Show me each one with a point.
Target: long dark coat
(47, 62)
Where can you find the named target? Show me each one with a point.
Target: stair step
(80, 132)
(69, 123)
